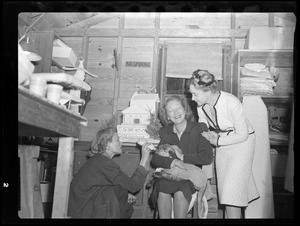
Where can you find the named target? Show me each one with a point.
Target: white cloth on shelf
(256, 112)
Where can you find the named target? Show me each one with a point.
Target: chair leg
(156, 213)
(243, 213)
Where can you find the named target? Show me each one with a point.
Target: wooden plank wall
(100, 62)
(136, 39)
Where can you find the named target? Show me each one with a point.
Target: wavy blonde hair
(183, 101)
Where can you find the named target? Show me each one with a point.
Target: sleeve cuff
(142, 170)
(218, 141)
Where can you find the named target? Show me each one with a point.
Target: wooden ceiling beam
(161, 33)
(92, 21)
(288, 16)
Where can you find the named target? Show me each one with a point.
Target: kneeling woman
(181, 131)
(100, 189)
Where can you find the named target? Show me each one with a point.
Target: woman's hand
(178, 163)
(211, 136)
(146, 150)
(131, 198)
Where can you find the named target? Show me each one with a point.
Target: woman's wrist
(181, 157)
(144, 164)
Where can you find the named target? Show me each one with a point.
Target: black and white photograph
(152, 111)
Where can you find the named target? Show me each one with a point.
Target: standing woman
(232, 135)
(181, 131)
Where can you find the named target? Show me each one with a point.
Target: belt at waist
(227, 132)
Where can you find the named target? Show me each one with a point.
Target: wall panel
(136, 70)
(195, 20)
(100, 62)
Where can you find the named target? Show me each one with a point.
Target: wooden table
(41, 118)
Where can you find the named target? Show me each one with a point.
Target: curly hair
(202, 79)
(99, 143)
(183, 101)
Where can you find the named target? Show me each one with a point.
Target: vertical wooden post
(119, 66)
(233, 27)
(85, 57)
(163, 79)
(155, 50)
(227, 69)
(43, 41)
(31, 198)
(271, 20)
(65, 161)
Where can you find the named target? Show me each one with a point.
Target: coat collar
(189, 126)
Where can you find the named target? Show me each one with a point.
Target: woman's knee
(180, 196)
(164, 196)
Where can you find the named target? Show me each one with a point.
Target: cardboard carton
(260, 38)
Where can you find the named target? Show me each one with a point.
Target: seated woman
(100, 189)
(193, 148)
(191, 172)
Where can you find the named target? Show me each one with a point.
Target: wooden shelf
(276, 58)
(283, 59)
(39, 117)
(277, 99)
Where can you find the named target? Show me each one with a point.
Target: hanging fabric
(256, 112)
(289, 173)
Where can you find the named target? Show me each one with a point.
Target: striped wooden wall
(135, 37)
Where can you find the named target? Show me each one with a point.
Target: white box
(146, 101)
(270, 38)
(59, 43)
(64, 56)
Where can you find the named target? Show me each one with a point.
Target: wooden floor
(283, 200)
(283, 203)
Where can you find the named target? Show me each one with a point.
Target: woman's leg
(181, 205)
(164, 204)
(233, 212)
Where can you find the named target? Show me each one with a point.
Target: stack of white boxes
(137, 116)
(63, 54)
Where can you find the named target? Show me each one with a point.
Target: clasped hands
(211, 136)
(131, 198)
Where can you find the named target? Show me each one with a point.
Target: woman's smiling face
(175, 111)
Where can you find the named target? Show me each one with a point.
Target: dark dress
(100, 189)
(196, 149)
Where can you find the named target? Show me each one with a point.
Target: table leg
(31, 198)
(64, 168)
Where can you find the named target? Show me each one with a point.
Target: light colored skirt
(235, 181)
